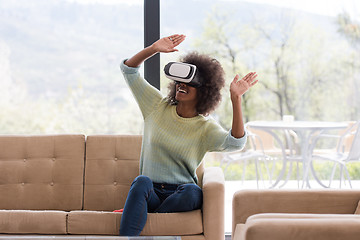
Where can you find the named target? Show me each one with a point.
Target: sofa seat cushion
(27, 221)
(300, 216)
(160, 224)
(299, 227)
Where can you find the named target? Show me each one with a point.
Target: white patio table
(304, 131)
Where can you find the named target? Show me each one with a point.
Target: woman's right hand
(165, 45)
(168, 44)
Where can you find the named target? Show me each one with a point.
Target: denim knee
(141, 184)
(141, 179)
(191, 193)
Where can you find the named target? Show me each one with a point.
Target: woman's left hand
(239, 87)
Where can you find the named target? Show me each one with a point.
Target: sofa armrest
(249, 202)
(213, 203)
(300, 228)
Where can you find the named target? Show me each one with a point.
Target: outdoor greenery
(235, 171)
(59, 67)
(304, 70)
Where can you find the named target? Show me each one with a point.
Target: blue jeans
(145, 196)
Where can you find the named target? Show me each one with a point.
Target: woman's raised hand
(239, 87)
(168, 44)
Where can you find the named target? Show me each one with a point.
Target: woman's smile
(182, 89)
(185, 92)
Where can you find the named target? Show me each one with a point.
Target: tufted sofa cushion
(112, 163)
(41, 172)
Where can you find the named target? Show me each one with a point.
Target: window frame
(151, 34)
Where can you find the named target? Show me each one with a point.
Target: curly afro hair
(212, 78)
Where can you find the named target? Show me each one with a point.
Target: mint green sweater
(172, 146)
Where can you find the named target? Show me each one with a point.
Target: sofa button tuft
(115, 183)
(52, 184)
(116, 159)
(22, 184)
(24, 159)
(53, 159)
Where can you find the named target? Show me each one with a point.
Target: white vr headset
(183, 72)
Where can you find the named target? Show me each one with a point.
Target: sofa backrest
(41, 172)
(111, 164)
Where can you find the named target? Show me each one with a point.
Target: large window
(59, 66)
(306, 54)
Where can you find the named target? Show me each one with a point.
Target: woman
(177, 134)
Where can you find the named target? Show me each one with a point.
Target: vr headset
(183, 73)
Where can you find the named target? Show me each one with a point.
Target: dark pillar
(151, 34)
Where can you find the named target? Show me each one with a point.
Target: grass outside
(272, 168)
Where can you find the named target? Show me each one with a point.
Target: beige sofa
(69, 184)
(296, 215)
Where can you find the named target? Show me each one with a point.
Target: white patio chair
(340, 157)
(340, 142)
(254, 151)
(276, 150)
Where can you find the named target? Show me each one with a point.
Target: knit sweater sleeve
(146, 96)
(220, 140)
